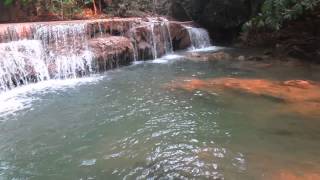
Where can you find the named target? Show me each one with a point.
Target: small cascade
(166, 35)
(100, 28)
(68, 53)
(43, 52)
(199, 37)
(21, 62)
(152, 40)
(134, 43)
(33, 52)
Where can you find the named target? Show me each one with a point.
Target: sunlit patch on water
(89, 162)
(4, 166)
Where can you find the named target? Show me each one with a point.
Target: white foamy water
(172, 56)
(22, 98)
(68, 51)
(166, 59)
(199, 38)
(207, 49)
(57, 51)
(21, 62)
(89, 162)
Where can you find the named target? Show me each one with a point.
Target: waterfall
(199, 37)
(100, 28)
(43, 52)
(67, 50)
(33, 52)
(153, 41)
(165, 30)
(135, 44)
(155, 37)
(21, 62)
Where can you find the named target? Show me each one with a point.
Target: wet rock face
(223, 18)
(180, 36)
(111, 52)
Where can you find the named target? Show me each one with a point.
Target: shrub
(274, 13)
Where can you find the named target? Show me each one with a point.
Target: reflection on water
(130, 125)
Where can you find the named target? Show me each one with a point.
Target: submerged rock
(299, 96)
(209, 56)
(293, 175)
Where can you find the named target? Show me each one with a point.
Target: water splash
(21, 62)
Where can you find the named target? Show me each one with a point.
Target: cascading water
(40, 51)
(68, 54)
(199, 38)
(153, 41)
(43, 52)
(134, 43)
(21, 62)
(158, 39)
(165, 30)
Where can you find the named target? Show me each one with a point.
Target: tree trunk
(95, 7)
(62, 15)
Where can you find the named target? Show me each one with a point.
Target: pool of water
(127, 124)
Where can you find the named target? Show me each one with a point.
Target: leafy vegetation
(64, 8)
(77, 9)
(274, 13)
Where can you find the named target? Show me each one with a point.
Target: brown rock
(180, 36)
(299, 96)
(111, 51)
(216, 56)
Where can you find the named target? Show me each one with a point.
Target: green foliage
(64, 8)
(274, 13)
(9, 2)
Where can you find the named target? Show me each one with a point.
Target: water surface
(126, 124)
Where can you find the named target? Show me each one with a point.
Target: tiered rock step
(135, 29)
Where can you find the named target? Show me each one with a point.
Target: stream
(127, 124)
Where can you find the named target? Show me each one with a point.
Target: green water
(125, 124)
